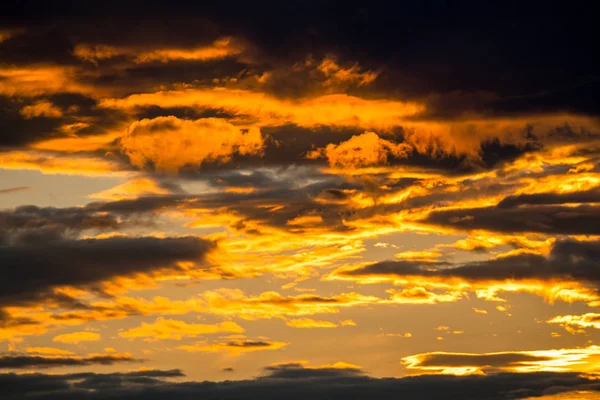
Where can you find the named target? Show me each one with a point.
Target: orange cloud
(51, 163)
(562, 360)
(309, 323)
(42, 108)
(577, 323)
(171, 143)
(77, 337)
(235, 346)
(163, 329)
(220, 48)
(266, 110)
(362, 150)
(49, 351)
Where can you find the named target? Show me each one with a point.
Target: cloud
(580, 220)
(293, 381)
(267, 305)
(577, 323)
(163, 329)
(52, 163)
(14, 189)
(562, 360)
(77, 337)
(21, 361)
(42, 108)
(565, 274)
(49, 351)
(334, 109)
(234, 346)
(170, 143)
(362, 150)
(135, 188)
(219, 49)
(31, 271)
(309, 323)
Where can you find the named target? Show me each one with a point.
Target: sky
(299, 199)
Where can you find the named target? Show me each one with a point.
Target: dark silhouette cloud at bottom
(292, 382)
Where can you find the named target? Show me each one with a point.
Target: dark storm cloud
(13, 361)
(568, 260)
(588, 196)
(551, 219)
(295, 383)
(518, 57)
(29, 272)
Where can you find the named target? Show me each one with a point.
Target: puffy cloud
(42, 108)
(170, 143)
(362, 150)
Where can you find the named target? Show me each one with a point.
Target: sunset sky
(299, 200)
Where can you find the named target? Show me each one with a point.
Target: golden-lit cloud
(267, 110)
(31, 81)
(234, 346)
(49, 351)
(51, 163)
(576, 359)
(577, 323)
(219, 49)
(77, 337)
(420, 295)
(170, 329)
(74, 144)
(267, 305)
(42, 108)
(309, 323)
(362, 150)
(170, 143)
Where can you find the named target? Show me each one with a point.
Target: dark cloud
(580, 220)
(568, 260)
(521, 54)
(30, 271)
(292, 382)
(588, 196)
(16, 130)
(30, 223)
(15, 361)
